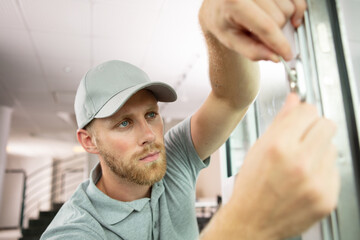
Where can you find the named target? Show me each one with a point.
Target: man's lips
(150, 157)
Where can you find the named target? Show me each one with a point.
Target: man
(143, 187)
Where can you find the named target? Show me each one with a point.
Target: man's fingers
(329, 176)
(295, 119)
(300, 7)
(279, 10)
(271, 8)
(291, 102)
(286, 6)
(318, 137)
(254, 50)
(262, 26)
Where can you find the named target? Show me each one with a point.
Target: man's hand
(288, 181)
(252, 28)
(289, 178)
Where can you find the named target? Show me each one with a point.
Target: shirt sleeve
(73, 231)
(184, 163)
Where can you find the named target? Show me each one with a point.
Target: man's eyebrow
(118, 117)
(153, 106)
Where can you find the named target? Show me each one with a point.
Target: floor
(10, 234)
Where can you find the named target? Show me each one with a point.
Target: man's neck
(120, 189)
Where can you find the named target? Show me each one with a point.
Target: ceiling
(46, 46)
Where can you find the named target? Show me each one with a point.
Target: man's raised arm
(238, 32)
(289, 178)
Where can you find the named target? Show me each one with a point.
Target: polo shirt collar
(113, 211)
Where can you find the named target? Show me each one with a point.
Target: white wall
(10, 206)
(209, 182)
(5, 117)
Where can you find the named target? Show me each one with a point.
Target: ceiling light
(67, 69)
(69, 118)
(9, 149)
(184, 99)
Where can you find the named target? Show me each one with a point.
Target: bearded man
(144, 184)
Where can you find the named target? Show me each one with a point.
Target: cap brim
(162, 92)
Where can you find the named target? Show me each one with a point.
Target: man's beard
(133, 170)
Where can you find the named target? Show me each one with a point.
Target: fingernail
(297, 22)
(275, 58)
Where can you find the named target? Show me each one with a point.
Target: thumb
(291, 102)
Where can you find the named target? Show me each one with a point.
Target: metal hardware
(296, 78)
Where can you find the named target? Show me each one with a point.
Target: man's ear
(85, 139)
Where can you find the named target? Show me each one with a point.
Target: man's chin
(157, 171)
(149, 182)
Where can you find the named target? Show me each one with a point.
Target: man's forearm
(235, 84)
(233, 77)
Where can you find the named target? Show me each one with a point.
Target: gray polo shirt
(168, 214)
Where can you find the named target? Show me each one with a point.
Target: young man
(144, 185)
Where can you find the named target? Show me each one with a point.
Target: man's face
(131, 142)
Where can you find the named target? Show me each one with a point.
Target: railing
(49, 184)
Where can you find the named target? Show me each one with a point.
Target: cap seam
(142, 87)
(112, 98)
(92, 102)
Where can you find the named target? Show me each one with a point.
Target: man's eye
(151, 115)
(124, 123)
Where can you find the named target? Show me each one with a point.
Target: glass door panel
(324, 66)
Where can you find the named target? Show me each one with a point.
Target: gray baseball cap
(105, 88)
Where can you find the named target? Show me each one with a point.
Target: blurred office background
(46, 46)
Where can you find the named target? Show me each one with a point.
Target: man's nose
(146, 133)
